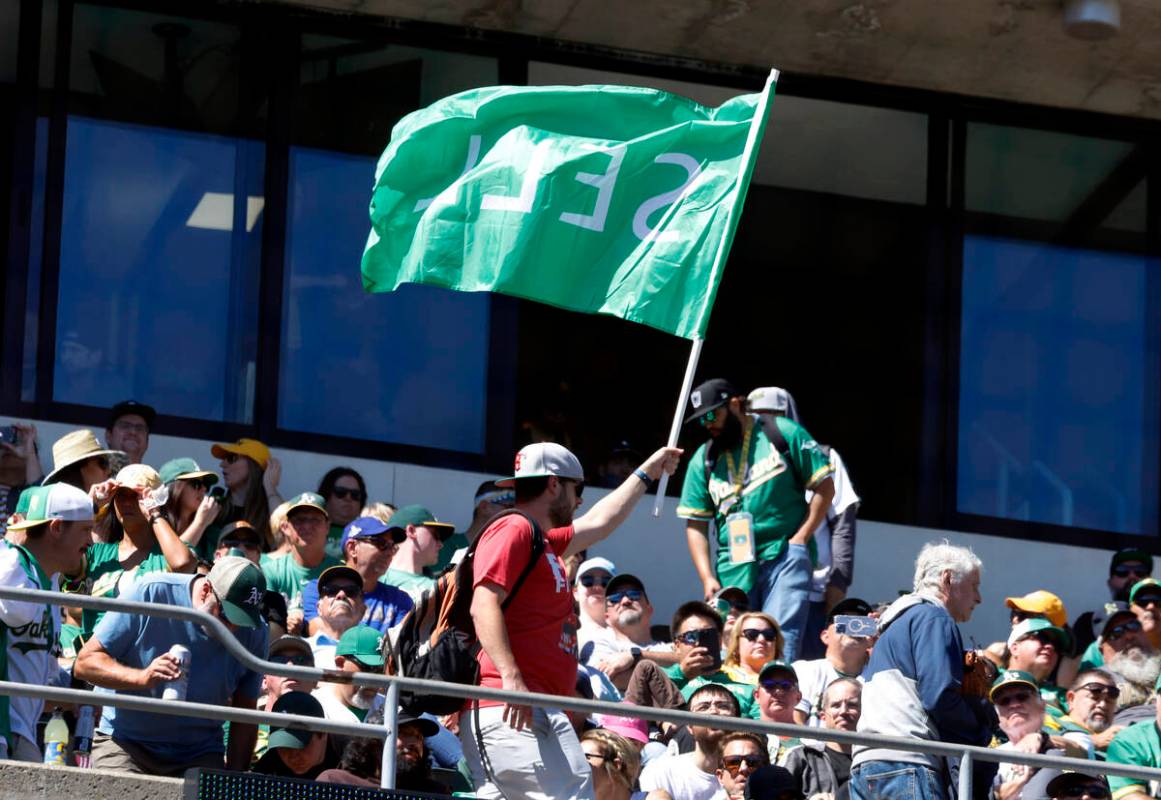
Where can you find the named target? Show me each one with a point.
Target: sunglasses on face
(100, 461)
(200, 484)
(298, 659)
(589, 581)
(577, 486)
(1094, 790)
(333, 589)
(230, 458)
(1102, 690)
(1013, 697)
(709, 417)
(634, 596)
(734, 763)
(752, 634)
(342, 493)
(1148, 600)
(380, 543)
(1124, 571)
(376, 670)
(1117, 631)
(774, 686)
(1020, 616)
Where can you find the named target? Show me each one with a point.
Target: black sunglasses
(1124, 570)
(634, 595)
(1099, 690)
(102, 462)
(752, 634)
(378, 542)
(1013, 697)
(198, 483)
(773, 685)
(589, 581)
(578, 486)
(1020, 616)
(298, 659)
(333, 589)
(342, 493)
(734, 763)
(1093, 790)
(1117, 631)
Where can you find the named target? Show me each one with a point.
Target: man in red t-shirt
(531, 644)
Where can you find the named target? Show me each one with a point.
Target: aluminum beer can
(177, 688)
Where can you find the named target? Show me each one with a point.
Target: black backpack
(437, 639)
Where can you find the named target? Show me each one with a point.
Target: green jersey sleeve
(810, 462)
(696, 503)
(1139, 745)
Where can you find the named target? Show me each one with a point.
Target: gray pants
(125, 756)
(543, 762)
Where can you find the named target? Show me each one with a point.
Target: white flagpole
(719, 258)
(675, 429)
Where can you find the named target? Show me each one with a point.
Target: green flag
(603, 199)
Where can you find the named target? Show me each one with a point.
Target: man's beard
(1097, 725)
(1137, 665)
(364, 699)
(627, 619)
(560, 512)
(731, 433)
(409, 764)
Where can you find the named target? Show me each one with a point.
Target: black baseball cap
(623, 581)
(852, 606)
(147, 413)
(707, 396)
(1131, 554)
(300, 704)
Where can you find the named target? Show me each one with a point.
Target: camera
(710, 639)
(9, 434)
(856, 627)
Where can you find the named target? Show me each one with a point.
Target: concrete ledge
(21, 781)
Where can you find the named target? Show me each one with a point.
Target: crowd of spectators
(323, 578)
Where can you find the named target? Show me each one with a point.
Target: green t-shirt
(414, 585)
(771, 493)
(744, 692)
(287, 577)
(335, 542)
(1092, 658)
(106, 578)
(1139, 745)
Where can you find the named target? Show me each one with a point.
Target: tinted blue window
(408, 367)
(1058, 411)
(159, 270)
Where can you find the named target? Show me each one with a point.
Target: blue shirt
(215, 676)
(386, 605)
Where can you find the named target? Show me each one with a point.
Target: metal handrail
(214, 626)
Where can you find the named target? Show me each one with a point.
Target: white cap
(769, 398)
(596, 562)
(543, 459)
(56, 501)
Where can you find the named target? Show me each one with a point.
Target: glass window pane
(1044, 175)
(1058, 413)
(816, 145)
(355, 364)
(158, 270)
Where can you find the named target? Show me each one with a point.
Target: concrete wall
(655, 549)
(30, 781)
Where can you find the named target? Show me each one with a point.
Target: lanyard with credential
(738, 476)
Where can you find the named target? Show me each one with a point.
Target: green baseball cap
(1011, 677)
(301, 704)
(42, 504)
(1150, 587)
(1035, 625)
(418, 515)
(770, 667)
(239, 585)
(307, 500)
(362, 643)
(185, 469)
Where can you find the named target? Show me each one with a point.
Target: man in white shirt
(340, 607)
(592, 576)
(360, 649)
(630, 618)
(846, 656)
(692, 776)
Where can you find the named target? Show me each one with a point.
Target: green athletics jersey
(743, 692)
(414, 585)
(105, 577)
(335, 542)
(287, 577)
(1139, 745)
(28, 639)
(772, 492)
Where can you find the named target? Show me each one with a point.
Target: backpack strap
(538, 547)
(770, 428)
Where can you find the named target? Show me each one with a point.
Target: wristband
(154, 517)
(649, 482)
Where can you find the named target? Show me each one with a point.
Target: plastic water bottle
(56, 739)
(176, 689)
(83, 736)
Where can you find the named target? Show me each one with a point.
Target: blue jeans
(895, 780)
(782, 590)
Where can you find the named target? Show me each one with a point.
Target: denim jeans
(895, 780)
(782, 590)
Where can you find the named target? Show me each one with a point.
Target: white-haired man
(914, 677)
